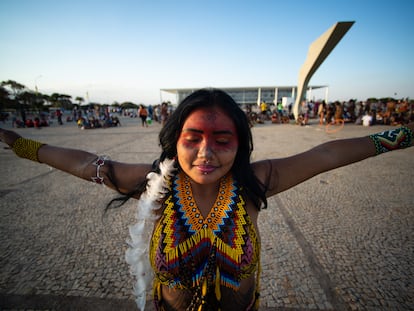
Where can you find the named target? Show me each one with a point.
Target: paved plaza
(343, 240)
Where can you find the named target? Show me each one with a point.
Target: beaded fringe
(202, 235)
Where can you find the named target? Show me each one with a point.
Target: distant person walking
(59, 116)
(164, 113)
(143, 114)
(322, 112)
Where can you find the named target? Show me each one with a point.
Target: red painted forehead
(208, 120)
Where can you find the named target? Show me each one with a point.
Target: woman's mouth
(206, 169)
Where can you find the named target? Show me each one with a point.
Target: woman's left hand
(8, 137)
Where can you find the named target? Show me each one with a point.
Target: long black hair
(241, 169)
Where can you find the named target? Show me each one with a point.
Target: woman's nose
(205, 150)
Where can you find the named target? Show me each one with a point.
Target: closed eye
(222, 141)
(193, 139)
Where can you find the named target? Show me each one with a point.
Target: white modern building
(254, 95)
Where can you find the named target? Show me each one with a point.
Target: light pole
(37, 78)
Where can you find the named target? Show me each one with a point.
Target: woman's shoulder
(262, 169)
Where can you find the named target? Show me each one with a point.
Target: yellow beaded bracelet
(27, 148)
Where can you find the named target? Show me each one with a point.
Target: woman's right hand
(8, 137)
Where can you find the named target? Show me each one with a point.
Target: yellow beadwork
(217, 288)
(27, 148)
(217, 212)
(183, 233)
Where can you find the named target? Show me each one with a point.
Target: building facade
(253, 95)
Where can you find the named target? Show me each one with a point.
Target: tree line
(15, 96)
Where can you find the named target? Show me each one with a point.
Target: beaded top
(185, 244)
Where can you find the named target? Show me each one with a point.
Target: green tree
(14, 86)
(80, 100)
(5, 101)
(61, 101)
(16, 89)
(129, 105)
(39, 102)
(30, 100)
(46, 98)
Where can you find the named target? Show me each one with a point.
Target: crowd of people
(391, 112)
(157, 113)
(94, 117)
(367, 113)
(90, 117)
(37, 121)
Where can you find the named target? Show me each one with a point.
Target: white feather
(137, 255)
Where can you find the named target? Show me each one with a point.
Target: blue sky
(129, 50)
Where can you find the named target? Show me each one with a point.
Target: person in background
(143, 114)
(322, 112)
(367, 119)
(59, 115)
(164, 113)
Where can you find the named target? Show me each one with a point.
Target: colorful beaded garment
(202, 254)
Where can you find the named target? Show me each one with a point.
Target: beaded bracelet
(398, 138)
(27, 148)
(99, 162)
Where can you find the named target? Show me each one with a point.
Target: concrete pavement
(340, 241)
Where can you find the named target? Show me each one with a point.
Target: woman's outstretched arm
(79, 163)
(291, 171)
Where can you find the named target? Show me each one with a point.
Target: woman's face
(207, 145)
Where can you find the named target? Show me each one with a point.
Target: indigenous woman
(197, 240)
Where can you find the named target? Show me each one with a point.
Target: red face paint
(210, 129)
(207, 145)
(214, 140)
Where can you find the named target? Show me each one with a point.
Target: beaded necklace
(190, 251)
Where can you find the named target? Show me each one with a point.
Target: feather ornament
(137, 255)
